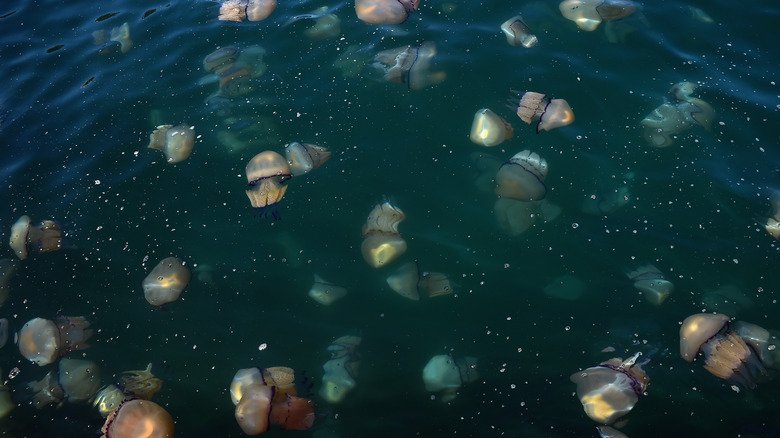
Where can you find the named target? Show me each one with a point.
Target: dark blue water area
(75, 119)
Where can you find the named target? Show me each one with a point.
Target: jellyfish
(515, 217)
(677, 114)
(445, 374)
(305, 157)
(175, 142)
(552, 113)
(385, 11)
(522, 177)
(341, 370)
(281, 379)
(757, 337)
(254, 409)
(138, 418)
(121, 35)
(382, 243)
(409, 65)
(326, 293)
(219, 59)
(240, 10)
(75, 380)
(610, 390)
(7, 269)
(518, 33)
(726, 355)
(651, 282)
(25, 237)
(727, 299)
(588, 14)
(435, 284)
(489, 129)
(326, 26)
(772, 224)
(404, 281)
(134, 384)
(166, 281)
(42, 341)
(265, 173)
(6, 402)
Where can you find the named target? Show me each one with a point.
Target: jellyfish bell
(265, 173)
(588, 14)
(435, 284)
(305, 157)
(176, 142)
(121, 35)
(341, 370)
(19, 232)
(518, 33)
(326, 293)
(45, 237)
(385, 11)
(698, 329)
(166, 281)
(293, 413)
(405, 281)
(445, 374)
(254, 409)
(409, 65)
(522, 177)
(220, 59)
(551, 113)
(240, 10)
(42, 341)
(651, 282)
(138, 418)
(74, 380)
(489, 129)
(757, 337)
(382, 243)
(515, 217)
(326, 26)
(259, 10)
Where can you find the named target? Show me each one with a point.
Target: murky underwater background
(76, 152)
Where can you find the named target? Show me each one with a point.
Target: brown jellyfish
(175, 142)
(610, 390)
(138, 419)
(134, 384)
(253, 411)
(25, 237)
(588, 14)
(382, 243)
(240, 10)
(518, 33)
(42, 341)
(265, 173)
(75, 380)
(522, 177)
(385, 11)
(409, 65)
(489, 129)
(552, 113)
(166, 281)
(305, 157)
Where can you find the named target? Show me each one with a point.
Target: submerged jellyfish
(385, 11)
(7, 269)
(772, 223)
(410, 283)
(727, 299)
(610, 390)
(677, 114)
(409, 65)
(175, 142)
(652, 283)
(726, 354)
(75, 380)
(6, 402)
(326, 293)
(134, 384)
(489, 129)
(138, 418)
(326, 26)
(42, 341)
(588, 14)
(445, 374)
(522, 177)
(166, 281)
(341, 370)
(382, 243)
(265, 173)
(552, 113)
(240, 10)
(41, 238)
(118, 38)
(518, 33)
(305, 157)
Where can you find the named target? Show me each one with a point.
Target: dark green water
(694, 211)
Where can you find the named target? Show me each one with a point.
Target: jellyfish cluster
(409, 65)
(26, 237)
(175, 142)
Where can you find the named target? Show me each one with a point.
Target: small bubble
(14, 372)
(575, 225)
(567, 328)
(262, 346)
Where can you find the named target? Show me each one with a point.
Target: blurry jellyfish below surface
(42, 341)
(166, 281)
(409, 65)
(134, 384)
(74, 380)
(489, 129)
(326, 26)
(727, 299)
(7, 269)
(341, 370)
(726, 354)
(518, 33)
(588, 14)
(651, 282)
(6, 402)
(610, 390)
(117, 39)
(305, 157)
(445, 374)
(176, 142)
(138, 419)
(385, 11)
(772, 223)
(326, 293)
(410, 283)
(382, 243)
(240, 10)
(522, 177)
(676, 115)
(234, 69)
(551, 113)
(265, 174)
(25, 237)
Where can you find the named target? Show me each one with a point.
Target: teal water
(76, 152)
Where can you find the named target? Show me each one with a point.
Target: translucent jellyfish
(326, 26)
(404, 281)
(445, 374)
(265, 173)
(305, 157)
(435, 284)
(588, 14)
(7, 269)
(522, 177)
(75, 380)
(121, 35)
(651, 282)
(515, 217)
(134, 384)
(772, 223)
(176, 142)
(221, 58)
(680, 112)
(489, 129)
(518, 33)
(727, 299)
(326, 293)
(385, 11)
(253, 411)
(25, 237)
(117, 39)
(382, 243)
(166, 281)
(409, 65)
(610, 390)
(138, 418)
(762, 341)
(551, 113)
(42, 341)
(240, 10)
(341, 370)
